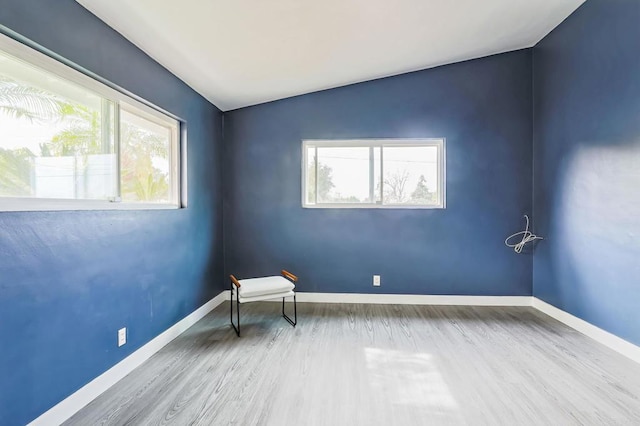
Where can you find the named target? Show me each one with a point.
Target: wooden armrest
(235, 281)
(289, 275)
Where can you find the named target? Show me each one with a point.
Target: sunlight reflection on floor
(409, 379)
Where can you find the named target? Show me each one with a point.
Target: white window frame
(440, 143)
(35, 57)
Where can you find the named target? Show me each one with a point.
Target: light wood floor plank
(349, 364)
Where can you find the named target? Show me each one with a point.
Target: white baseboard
(413, 299)
(612, 341)
(83, 396)
(406, 299)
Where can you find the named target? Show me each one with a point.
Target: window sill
(31, 205)
(372, 206)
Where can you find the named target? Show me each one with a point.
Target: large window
(68, 141)
(391, 173)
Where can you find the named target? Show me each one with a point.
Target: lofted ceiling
(238, 53)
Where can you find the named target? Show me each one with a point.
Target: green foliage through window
(61, 140)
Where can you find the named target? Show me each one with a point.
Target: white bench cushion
(254, 287)
(266, 297)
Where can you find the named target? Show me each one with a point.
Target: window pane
(145, 156)
(377, 175)
(410, 175)
(56, 138)
(311, 175)
(374, 173)
(343, 175)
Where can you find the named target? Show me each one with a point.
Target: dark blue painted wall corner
(587, 157)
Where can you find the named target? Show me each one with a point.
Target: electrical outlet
(376, 280)
(122, 336)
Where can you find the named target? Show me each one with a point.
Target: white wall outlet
(376, 280)
(122, 336)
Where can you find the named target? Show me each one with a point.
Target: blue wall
(484, 110)
(70, 280)
(587, 166)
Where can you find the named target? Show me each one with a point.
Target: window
(386, 173)
(70, 142)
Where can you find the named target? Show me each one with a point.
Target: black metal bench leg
(295, 312)
(237, 329)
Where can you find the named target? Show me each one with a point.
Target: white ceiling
(244, 52)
